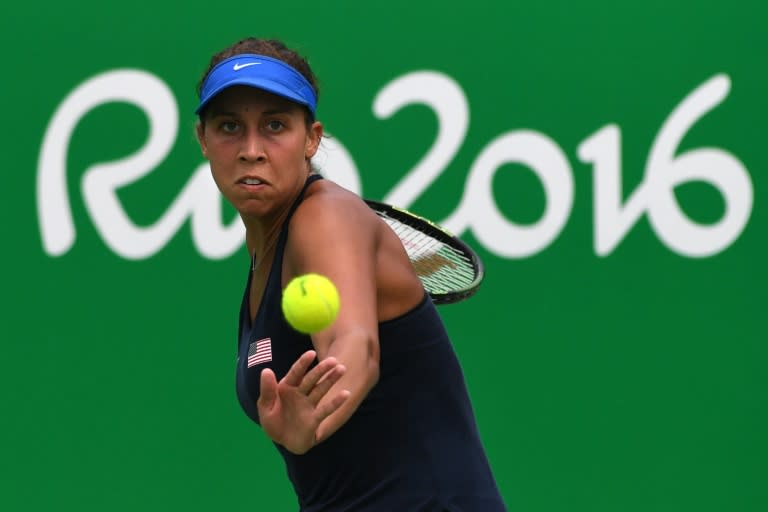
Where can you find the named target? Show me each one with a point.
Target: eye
(228, 126)
(275, 126)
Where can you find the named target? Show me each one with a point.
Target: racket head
(448, 268)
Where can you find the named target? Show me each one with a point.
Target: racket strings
(441, 267)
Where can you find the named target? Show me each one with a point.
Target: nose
(252, 148)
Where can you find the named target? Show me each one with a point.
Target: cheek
(216, 177)
(220, 158)
(219, 171)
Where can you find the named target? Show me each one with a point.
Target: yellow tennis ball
(310, 303)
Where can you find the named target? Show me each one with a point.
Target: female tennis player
(372, 413)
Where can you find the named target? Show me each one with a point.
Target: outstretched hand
(290, 410)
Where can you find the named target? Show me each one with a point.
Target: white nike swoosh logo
(238, 67)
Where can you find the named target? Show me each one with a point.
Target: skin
(251, 133)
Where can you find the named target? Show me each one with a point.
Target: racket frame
(441, 234)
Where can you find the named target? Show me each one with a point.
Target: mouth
(250, 181)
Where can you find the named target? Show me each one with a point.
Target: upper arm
(336, 235)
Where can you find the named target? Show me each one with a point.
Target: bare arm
(337, 237)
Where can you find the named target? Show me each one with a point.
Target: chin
(252, 209)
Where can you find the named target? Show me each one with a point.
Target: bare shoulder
(328, 205)
(331, 231)
(335, 233)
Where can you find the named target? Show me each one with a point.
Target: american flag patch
(260, 352)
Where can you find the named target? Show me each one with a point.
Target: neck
(260, 238)
(261, 233)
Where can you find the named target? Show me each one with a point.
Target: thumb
(268, 392)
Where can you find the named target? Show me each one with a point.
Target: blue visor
(261, 72)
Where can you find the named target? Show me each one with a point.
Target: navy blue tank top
(412, 445)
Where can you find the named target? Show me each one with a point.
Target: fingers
(319, 389)
(304, 380)
(318, 373)
(328, 408)
(315, 383)
(268, 390)
(299, 368)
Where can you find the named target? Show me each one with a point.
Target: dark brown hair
(270, 48)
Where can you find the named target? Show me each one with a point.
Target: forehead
(241, 97)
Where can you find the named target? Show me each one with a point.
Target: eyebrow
(270, 112)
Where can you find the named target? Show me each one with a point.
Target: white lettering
(664, 171)
(478, 208)
(199, 199)
(200, 202)
(447, 100)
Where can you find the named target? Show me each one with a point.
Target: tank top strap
(275, 274)
(310, 180)
(284, 229)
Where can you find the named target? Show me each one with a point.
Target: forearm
(360, 355)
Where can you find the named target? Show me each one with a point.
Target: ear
(200, 133)
(314, 136)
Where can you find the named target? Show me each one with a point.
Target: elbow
(372, 374)
(373, 367)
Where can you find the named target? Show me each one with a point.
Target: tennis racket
(448, 268)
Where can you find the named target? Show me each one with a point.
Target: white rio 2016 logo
(201, 203)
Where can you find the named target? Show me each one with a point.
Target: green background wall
(628, 381)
